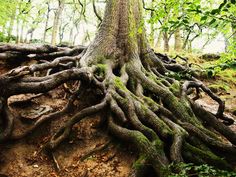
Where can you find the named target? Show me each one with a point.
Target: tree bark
(166, 42)
(233, 26)
(10, 28)
(152, 34)
(178, 41)
(46, 22)
(159, 40)
(56, 21)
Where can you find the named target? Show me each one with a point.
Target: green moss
(228, 76)
(152, 77)
(159, 146)
(142, 143)
(165, 129)
(183, 110)
(132, 84)
(149, 101)
(175, 88)
(218, 87)
(118, 83)
(207, 156)
(101, 59)
(138, 164)
(101, 70)
(144, 108)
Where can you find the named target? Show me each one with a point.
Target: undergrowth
(204, 170)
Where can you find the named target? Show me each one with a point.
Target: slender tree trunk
(56, 21)
(226, 42)
(72, 28)
(10, 27)
(233, 26)
(26, 37)
(159, 40)
(46, 23)
(152, 34)
(31, 36)
(17, 30)
(22, 31)
(71, 35)
(76, 34)
(61, 32)
(178, 41)
(166, 42)
(190, 46)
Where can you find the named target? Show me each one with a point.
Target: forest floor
(90, 151)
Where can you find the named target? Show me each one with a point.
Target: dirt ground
(89, 152)
(25, 158)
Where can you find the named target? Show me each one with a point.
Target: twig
(55, 162)
(95, 150)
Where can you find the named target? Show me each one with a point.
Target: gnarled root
(145, 107)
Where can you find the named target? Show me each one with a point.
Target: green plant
(204, 170)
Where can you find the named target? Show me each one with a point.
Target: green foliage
(193, 18)
(101, 70)
(7, 8)
(226, 61)
(204, 170)
(181, 75)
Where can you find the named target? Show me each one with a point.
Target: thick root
(145, 106)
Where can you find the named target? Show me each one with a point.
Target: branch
(96, 12)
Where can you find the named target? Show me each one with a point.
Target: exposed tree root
(145, 105)
(148, 109)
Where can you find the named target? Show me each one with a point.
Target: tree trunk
(46, 23)
(166, 42)
(178, 45)
(145, 105)
(152, 34)
(56, 21)
(233, 26)
(10, 28)
(72, 28)
(189, 46)
(159, 40)
(17, 30)
(22, 31)
(226, 41)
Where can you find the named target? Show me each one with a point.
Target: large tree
(145, 105)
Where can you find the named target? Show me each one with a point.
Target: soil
(25, 157)
(74, 158)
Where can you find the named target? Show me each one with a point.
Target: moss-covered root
(143, 145)
(198, 156)
(141, 167)
(211, 120)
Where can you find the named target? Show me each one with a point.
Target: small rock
(35, 166)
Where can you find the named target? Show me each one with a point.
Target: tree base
(143, 104)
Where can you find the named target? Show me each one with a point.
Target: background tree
(56, 21)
